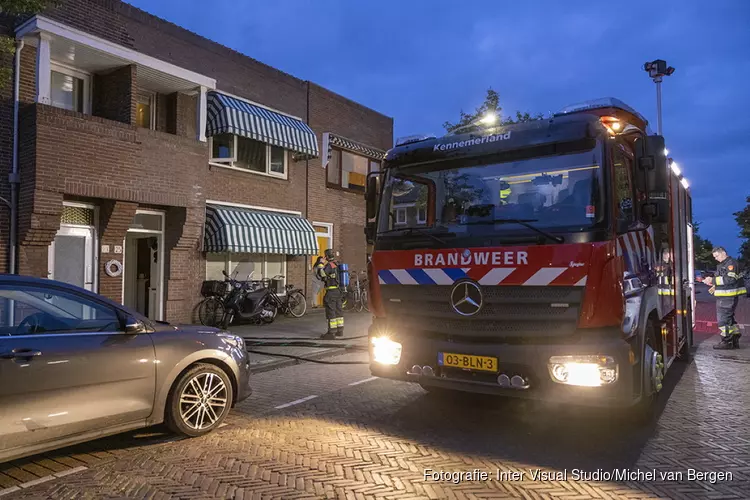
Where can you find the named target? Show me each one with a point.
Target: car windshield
(561, 192)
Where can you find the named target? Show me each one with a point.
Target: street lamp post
(657, 70)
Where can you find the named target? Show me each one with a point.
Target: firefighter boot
(736, 340)
(328, 336)
(725, 343)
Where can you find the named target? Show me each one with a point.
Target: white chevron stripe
(381, 281)
(582, 282)
(403, 277)
(438, 276)
(496, 276)
(545, 276)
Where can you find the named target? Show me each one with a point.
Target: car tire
(190, 412)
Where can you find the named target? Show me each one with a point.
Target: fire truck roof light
(604, 102)
(684, 183)
(666, 151)
(411, 139)
(676, 169)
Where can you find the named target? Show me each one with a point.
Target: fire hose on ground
(305, 342)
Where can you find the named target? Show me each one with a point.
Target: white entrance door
(71, 256)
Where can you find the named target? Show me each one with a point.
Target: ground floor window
(241, 265)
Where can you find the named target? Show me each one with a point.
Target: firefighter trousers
(725, 307)
(334, 310)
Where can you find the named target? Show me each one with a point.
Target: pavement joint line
(68, 472)
(364, 381)
(295, 402)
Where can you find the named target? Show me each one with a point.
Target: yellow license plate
(467, 362)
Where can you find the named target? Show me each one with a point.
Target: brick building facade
(119, 156)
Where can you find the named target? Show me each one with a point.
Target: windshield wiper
(523, 222)
(412, 230)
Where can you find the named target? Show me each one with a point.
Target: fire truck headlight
(588, 371)
(385, 351)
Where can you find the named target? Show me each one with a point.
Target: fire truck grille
(511, 312)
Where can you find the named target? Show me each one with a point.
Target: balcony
(82, 73)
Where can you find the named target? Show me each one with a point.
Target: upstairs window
(145, 111)
(349, 171)
(69, 89)
(241, 153)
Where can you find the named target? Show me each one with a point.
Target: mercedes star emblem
(466, 298)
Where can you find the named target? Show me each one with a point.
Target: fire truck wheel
(653, 374)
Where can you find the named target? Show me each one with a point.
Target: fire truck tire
(653, 372)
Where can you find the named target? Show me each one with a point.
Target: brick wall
(6, 155)
(332, 113)
(94, 158)
(113, 95)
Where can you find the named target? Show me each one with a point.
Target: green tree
(11, 8)
(702, 248)
(491, 104)
(743, 221)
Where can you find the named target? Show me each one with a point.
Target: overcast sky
(423, 61)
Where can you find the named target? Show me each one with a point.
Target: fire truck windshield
(555, 193)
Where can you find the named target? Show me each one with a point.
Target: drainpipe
(307, 176)
(14, 178)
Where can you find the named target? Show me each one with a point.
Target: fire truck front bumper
(596, 369)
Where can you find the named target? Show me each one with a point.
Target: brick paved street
(315, 431)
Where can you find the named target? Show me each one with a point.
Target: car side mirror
(134, 326)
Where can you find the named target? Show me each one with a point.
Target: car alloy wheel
(203, 401)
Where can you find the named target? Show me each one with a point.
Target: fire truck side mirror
(652, 164)
(371, 195)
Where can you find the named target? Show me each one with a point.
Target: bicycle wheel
(365, 301)
(211, 311)
(297, 304)
(348, 301)
(358, 305)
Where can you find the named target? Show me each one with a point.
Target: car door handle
(21, 353)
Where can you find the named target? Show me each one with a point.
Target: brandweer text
(472, 259)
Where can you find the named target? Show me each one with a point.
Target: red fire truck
(549, 260)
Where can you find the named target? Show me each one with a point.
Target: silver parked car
(75, 366)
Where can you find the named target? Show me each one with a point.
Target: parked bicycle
(356, 295)
(292, 303)
(213, 306)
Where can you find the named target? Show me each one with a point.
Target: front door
(67, 368)
(71, 256)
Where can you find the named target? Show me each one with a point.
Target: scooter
(247, 304)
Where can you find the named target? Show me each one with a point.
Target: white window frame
(151, 96)
(229, 266)
(421, 220)
(75, 73)
(399, 212)
(230, 162)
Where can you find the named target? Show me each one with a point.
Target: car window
(38, 310)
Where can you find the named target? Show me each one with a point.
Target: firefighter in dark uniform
(727, 286)
(664, 275)
(327, 271)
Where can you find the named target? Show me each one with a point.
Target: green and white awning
(229, 115)
(242, 230)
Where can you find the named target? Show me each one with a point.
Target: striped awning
(229, 115)
(356, 147)
(241, 230)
